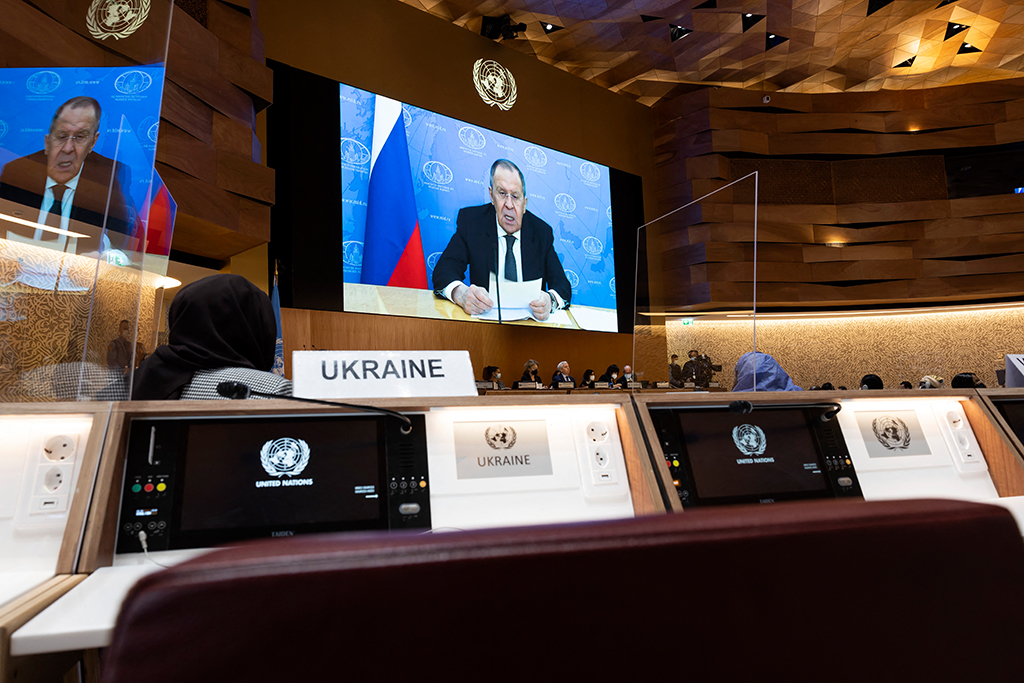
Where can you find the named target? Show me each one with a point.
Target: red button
(148, 488)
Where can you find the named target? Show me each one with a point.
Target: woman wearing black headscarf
(220, 328)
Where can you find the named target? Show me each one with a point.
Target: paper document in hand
(514, 295)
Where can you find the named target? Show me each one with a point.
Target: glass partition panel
(697, 264)
(78, 195)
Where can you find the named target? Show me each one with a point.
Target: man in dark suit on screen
(66, 181)
(524, 252)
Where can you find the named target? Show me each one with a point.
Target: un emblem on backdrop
(611, 285)
(592, 245)
(590, 172)
(495, 84)
(565, 203)
(115, 18)
(354, 152)
(3, 129)
(286, 456)
(352, 253)
(436, 172)
(749, 439)
(43, 82)
(535, 156)
(153, 131)
(472, 138)
(500, 437)
(133, 82)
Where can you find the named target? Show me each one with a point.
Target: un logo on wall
(43, 82)
(573, 278)
(115, 18)
(592, 245)
(565, 203)
(535, 156)
(590, 172)
(436, 172)
(352, 253)
(281, 457)
(133, 82)
(472, 138)
(495, 84)
(354, 152)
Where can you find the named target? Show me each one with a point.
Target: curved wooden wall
(217, 81)
(853, 200)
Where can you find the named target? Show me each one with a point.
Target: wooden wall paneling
(230, 25)
(894, 213)
(821, 143)
(194, 38)
(245, 177)
(254, 219)
(178, 149)
(201, 199)
(767, 231)
(232, 137)
(695, 123)
(731, 119)
(801, 214)
(863, 270)
(702, 187)
(938, 268)
(1010, 131)
(1014, 109)
(61, 45)
(967, 286)
(992, 91)
(968, 246)
(953, 116)
(876, 252)
(987, 206)
(1005, 465)
(877, 101)
(241, 69)
(975, 136)
(766, 272)
(208, 84)
(187, 112)
(709, 166)
(738, 141)
(746, 99)
(883, 233)
(810, 123)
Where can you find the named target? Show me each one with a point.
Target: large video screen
(420, 215)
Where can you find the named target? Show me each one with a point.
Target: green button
(136, 488)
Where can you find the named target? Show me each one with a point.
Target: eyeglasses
(78, 138)
(502, 195)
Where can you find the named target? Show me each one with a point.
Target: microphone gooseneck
(741, 407)
(241, 390)
(745, 407)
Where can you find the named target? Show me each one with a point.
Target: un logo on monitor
(43, 82)
(354, 152)
(284, 457)
(590, 172)
(436, 172)
(565, 203)
(472, 138)
(749, 439)
(353, 253)
(535, 156)
(592, 245)
(133, 82)
(115, 18)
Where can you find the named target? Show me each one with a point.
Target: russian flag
(392, 249)
(156, 220)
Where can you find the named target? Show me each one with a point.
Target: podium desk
(84, 617)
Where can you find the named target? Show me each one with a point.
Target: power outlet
(600, 456)
(597, 432)
(54, 479)
(60, 448)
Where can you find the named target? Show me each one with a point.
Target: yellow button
(161, 487)
(423, 484)
(675, 463)
(848, 461)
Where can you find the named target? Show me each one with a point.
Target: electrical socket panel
(52, 461)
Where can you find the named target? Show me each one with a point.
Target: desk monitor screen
(1012, 411)
(774, 453)
(216, 480)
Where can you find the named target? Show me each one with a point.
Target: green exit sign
(686, 321)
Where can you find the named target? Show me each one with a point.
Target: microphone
(241, 390)
(497, 280)
(745, 407)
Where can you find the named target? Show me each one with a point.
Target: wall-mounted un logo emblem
(592, 245)
(354, 152)
(284, 457)
(153, 132)
(535, 156)
(611, 285)
(472, 138)
(565, 203)
(573, 278)
(3, 129)
(495, 84)
(500, 437)
(115, 18)
(590, 172)
(352, 253)
(43, 82)
(749, 439)
(432, 260)
(133, 82)
(436, 172)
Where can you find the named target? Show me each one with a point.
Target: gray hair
(78, 103)
(530, 363)
(508, 166)
(564, 362)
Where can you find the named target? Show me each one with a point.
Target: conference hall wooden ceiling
(829, 45)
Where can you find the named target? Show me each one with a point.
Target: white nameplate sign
(382, 374)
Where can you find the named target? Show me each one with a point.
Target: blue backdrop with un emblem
(450, 164)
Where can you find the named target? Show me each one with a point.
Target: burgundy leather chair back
(824, 591)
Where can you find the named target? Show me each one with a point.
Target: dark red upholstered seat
(924, 590)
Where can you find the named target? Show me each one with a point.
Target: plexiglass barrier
(697, 258)
(85, 221)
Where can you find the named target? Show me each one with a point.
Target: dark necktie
(510, 259)
(53, 218)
